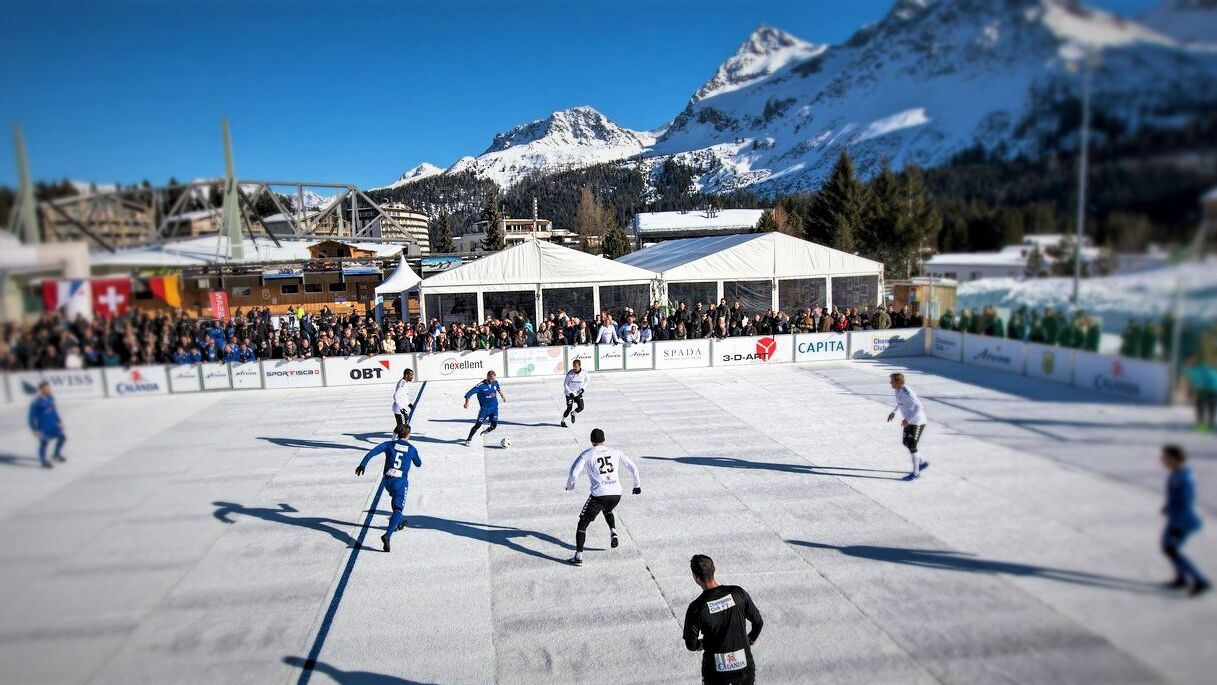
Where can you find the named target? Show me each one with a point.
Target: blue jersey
(399, 457)
(44, 417)
(488, 394)
(1181, 501)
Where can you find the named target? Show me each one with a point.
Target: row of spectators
(137, 337)
(1051, 327)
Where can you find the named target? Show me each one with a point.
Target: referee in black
(715, 624)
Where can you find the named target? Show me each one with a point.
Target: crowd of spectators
(137, 337)
(1051, 327)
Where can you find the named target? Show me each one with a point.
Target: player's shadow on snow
(13, 460)
(946, 560)
(349, 677)
(501, 423)
(224, 511)
(505, 536)
(366, 440)
(805, 469)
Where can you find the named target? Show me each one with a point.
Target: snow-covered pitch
(213, 538)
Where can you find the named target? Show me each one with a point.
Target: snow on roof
(1006, 257)
(723, 220)
(533, 263)
(749, 255)
(196, 214)
(212, 249)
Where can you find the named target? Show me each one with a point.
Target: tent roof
(744, 256)
(532, 263)
(402, 279)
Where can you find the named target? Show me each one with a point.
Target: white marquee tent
(535, 278)
(762, 270)
(399, 283)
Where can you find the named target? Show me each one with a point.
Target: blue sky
(355, 92)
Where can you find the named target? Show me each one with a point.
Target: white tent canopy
(530, 273)
(759, 267)
(400, 281)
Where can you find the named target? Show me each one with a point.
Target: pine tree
(616, 243)
(492, 214)
(923, 221)
(767, 224)
(839, 209)
(443, 235)
(591, 215)
(884, 234)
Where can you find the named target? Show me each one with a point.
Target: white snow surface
(204, 538)
(766, 51)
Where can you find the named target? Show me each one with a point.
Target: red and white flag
(111, 296)
(71, 296)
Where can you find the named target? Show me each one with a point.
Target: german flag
(167, 289)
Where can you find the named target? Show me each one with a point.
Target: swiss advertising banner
(439, 366)
(136, 380)
(995, 353)
(1134, 379)
(79, 384)
(377, 369)
(184, 378)
(946, 344)
(1049, 363)
(682, 354)
(296, 373)
(536, 361)
(245, 375)
(764, 349)
(640, 356)
(810, 347)
(610, 357)
(900, 342)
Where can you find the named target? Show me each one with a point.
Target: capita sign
(381, 369)
(137, 380)
(66, 384)
(906, 342)
(946, 344)
(820, 346)
(993, 353)
(682, 354)
(1134, 379)
(765, 349)
(294, 373)
(439, 366)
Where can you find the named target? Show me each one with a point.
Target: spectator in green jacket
(1017, 328)
(1093, 335)
(1130, 339)
(1168, 335)
(994, 327)
(1148, 344)
(1052, 327)
(965, 321)
(1036, 333)
(1202, 380)
(947, 321)
(978, 322)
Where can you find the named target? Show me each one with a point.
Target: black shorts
(576, 401)
(595, 505)
(912, 436)
(746, 677)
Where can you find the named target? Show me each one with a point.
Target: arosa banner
(185, 378)
(1135, 379)
(810, 347)
(946, 344)
(377, 369)
(682, 354)
(79, 384)
(1049, 363)
(763, 349)
(994, 353)
(610, 357)
(215, 376)
(640, 356)
(439, 366)
(586, 354)
(246, 375)
(900, 342)
(536, 361)
(297, 373)
(137, 380)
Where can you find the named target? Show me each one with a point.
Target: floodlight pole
(25, 213)
(231, 207)
(1083, 160)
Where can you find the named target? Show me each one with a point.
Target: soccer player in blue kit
(488, 393)
(45, 422)
(399, 456)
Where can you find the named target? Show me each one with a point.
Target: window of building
(508, 304)
(312, 287)
(289, 288)
(855, 291)
(457, 307)
(573, 301)
(753, 296)
(615, 298)
(797, 294)
(338, 287)
(692, 293)
(241, 291)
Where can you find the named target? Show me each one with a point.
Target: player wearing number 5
(603, 465)
(399, 456)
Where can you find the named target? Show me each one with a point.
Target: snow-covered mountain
(929, 80)
(413, 174)
(1187, 21)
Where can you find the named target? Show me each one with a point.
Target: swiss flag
(111, 296)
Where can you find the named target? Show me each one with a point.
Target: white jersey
(401, 396)
(909, 406)
(603, 467)
(575, 382)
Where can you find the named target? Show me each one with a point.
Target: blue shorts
(489, 413)
(397, 487)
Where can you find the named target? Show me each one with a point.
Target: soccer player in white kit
(573, 386)
(912, 421)
(401, 398)
(602, 465)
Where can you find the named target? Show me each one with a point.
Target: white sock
(613, 532)
(916, 462)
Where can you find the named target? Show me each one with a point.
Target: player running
(401, 398)
(573, 385)
(489, 393)
(912, 421)
(715, 625)
(399, 456)
(47, 426)
(602, 466)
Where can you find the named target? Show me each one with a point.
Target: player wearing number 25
(399, 456)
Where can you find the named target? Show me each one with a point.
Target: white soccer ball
(505, 443)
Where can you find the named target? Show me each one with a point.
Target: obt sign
(363, 374)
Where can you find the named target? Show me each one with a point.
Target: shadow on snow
(806, 469)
